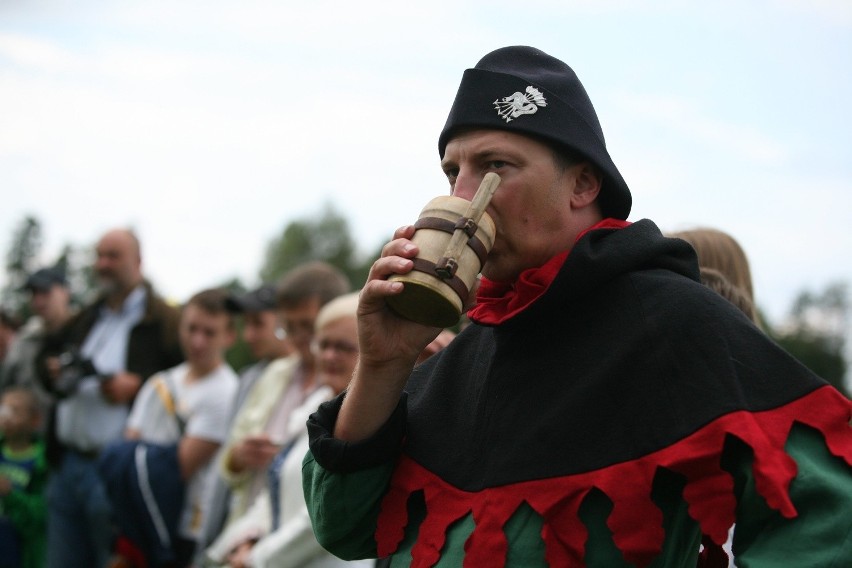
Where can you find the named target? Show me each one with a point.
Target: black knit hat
(524, 90)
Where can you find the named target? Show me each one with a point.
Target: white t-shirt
(204, 405)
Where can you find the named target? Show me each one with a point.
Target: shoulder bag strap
(167, 392)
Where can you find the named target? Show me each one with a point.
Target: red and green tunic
(612, 418)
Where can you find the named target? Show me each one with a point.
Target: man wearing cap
(261, 332)
(50, 300)
(267, 342)
(603, 408)
(109, 349)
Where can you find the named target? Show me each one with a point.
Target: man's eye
(451, 174)
(496, 164)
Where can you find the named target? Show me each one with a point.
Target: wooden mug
(454, 237)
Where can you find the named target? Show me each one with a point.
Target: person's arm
(193, 454)
(389, 345)
(355, 438)
(344, 507)
(121, 388)
(206, 427)
(248, 528)
(250, 454)
(344, 482)
(246, 451)
(239, 429)
(821, 533)
(292, 544)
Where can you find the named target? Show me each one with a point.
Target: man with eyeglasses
(254, 438)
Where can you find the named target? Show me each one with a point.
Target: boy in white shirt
(190, 404)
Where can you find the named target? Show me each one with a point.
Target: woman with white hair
(276, 530)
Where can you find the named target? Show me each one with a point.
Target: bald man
(108, 351)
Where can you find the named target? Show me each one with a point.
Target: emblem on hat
(518, 104)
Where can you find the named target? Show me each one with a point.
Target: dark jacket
(153, 344)
(153, 341)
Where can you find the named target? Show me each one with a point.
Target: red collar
(497, 302)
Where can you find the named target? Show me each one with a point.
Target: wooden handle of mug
(466, 227)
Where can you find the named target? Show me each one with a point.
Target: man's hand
(389, 345)
(121, 388)
(239, 557)
(384, 336)
(53, 368)
(252, 453)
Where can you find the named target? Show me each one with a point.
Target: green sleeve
(344, 507)
(821, 534)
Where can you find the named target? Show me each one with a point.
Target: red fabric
(127, 550)
(496, 302)
(635, 521)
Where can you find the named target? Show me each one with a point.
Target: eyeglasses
(342, 347)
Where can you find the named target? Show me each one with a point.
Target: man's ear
(587, 185)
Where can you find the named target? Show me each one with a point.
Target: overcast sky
(209, 125)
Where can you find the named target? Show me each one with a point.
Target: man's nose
(467, 182)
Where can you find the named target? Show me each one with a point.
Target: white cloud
(35, 54)
(690, 121)
(833, 12)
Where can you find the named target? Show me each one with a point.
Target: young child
(23, 475)
(189, 404)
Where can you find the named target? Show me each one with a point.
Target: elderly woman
(276, 530)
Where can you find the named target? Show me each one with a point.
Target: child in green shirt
(23, 476)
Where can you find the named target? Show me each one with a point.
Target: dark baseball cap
(43, 279)
(260, 300)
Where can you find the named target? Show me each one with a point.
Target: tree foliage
(77, 262)
(21, 261)
(326, 237)
(23, 258)
(815, 332)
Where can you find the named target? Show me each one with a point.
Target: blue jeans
(79, 526)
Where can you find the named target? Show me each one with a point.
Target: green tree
(325, 237)
(21, 262)
(77, 262)
(815, 332)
